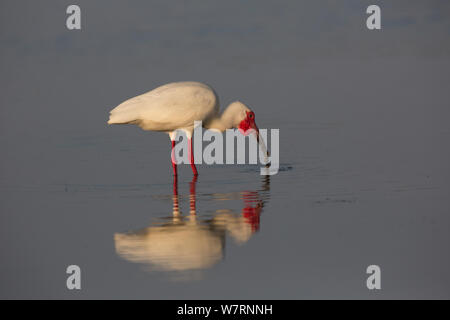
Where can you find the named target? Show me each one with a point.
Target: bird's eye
(251, 115)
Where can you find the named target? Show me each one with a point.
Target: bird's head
(243, 118)
(239, 116)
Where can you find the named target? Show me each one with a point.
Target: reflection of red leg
(192, 195)
(191, 156)
(175, 195)
(175, 185)
(174, 164)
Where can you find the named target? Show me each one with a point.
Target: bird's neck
(220, 122)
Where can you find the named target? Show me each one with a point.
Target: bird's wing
(168, 107)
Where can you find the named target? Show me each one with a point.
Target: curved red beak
(248, 125)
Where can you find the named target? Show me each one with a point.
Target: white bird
(175, 106)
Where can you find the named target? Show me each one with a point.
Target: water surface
(364, 136)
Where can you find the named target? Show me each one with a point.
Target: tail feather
(117, 119)
(123, 114)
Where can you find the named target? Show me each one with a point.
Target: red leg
(174, 164)
(191, 155)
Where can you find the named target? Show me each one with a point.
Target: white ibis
(175, 106)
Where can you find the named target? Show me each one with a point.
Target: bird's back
(172, 106)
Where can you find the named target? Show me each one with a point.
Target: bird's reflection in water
(189, 243)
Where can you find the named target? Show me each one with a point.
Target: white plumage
(176, 106)
(169, 107)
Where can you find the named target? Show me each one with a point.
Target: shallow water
(309, 231)
(364, 176)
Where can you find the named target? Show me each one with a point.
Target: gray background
(364, 145)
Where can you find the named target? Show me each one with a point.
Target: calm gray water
(364, 151)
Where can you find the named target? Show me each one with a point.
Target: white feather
(169, 107)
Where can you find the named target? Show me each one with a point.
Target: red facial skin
(248, 125)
